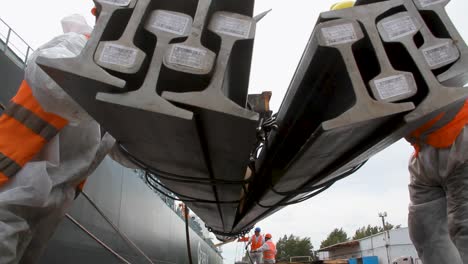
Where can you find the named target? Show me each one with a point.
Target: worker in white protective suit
(60, 147)
(438, 213)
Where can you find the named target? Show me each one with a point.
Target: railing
(12, 44)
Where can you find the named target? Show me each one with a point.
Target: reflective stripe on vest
(25, 128)
(257, 242)
(271, 252)
(442, 131)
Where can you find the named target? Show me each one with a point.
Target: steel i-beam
(164, 136)
(330, 140)
(390, 85)
(438, 52)
(67, 72)
(457, 75)
(228, 129)
(122, 55)
(339, 134)
(402, 28)
(191, 56)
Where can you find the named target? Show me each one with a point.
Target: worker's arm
(264, 247)
(248, 244)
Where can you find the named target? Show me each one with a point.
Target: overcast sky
(281, 37)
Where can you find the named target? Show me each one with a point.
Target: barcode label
(171, 23)
(233, 26)
(426, 3)
(187, 56)
(118, 55)
(392, 86)
(400, 27)
(439, 54)
(116, 2)
(339, 34)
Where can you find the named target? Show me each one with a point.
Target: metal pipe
(187, 234)
(7, 40)
(75, 222)
(121, 234)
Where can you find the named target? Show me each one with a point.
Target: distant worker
(269, 250)
(256, 242)
(438, 213)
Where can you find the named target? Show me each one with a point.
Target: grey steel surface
(191, 56)
(125, 199)
(138, 212)
(439, 97)
(229, 131)
(438, 52)
(389, 85)
(340, 100)
(123, 55)
(457, 74)
(11, 75)
(179, 153)
(172, 131)
(83, 68)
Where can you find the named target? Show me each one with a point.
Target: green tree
(364, 231)
(294, 246)
(335, 237)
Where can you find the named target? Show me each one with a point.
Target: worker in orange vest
(256, 242)
(438, 213)
(269, 250)
(48, 146)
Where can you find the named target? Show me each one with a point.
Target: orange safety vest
(442, 131)
(25, 128)
(257, 242)
(271, 252)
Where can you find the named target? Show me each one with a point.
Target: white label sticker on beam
(171, 23)
(392, 86)
(187, 56)
(400, 27)
(116, 2)
(339, 34)
(118, 55)
(233, 26)
(439, 54)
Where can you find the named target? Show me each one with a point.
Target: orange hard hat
(268, 236)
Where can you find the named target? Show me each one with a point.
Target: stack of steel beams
(168, 79)
(368, 77)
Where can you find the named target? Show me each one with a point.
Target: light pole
(383, 215)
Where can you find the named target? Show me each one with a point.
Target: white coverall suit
(438, 213)
(35, 200)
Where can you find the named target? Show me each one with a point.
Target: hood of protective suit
(51, 97)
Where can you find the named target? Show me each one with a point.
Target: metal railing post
(26, 56)
(7, 40)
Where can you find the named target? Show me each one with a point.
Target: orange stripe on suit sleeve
(25, 98)
(18, 142)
